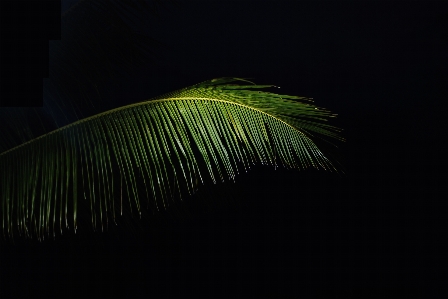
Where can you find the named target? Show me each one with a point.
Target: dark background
(380, 229)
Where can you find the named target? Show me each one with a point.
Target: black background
(380, 229)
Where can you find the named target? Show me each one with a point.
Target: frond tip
(157, 149)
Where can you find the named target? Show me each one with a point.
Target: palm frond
(159, 149)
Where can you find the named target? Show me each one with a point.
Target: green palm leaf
(157, 151)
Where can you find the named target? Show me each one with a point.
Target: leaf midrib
(140, 104)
